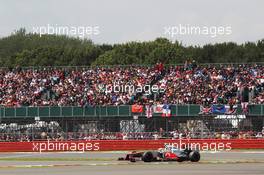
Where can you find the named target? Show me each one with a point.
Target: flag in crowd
(157, 108)
(166, 112)
(218, 109)
(163, 109)
(231, 109)
(205, 110)
(137, 108)
(149, 111)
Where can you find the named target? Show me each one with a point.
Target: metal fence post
(188, 110)
(0, 114)
(106, 110)
(60, 111)
(176, 109)
(26, 111)
(261, 109)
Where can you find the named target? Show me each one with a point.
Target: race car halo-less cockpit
(168, 153)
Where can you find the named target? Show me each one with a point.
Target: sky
(119, 21)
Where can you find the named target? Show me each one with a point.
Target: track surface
(243, 162)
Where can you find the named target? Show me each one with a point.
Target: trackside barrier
(117, 145)
(190, 110)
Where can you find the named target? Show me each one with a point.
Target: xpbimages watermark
(130, 88)
(187, 29)
(65, 146)
(203, 146)
(77, 31)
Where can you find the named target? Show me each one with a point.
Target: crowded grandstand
(181, 84)
(213, 87)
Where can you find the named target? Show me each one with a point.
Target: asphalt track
(97, 163)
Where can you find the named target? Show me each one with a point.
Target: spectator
(188, 84)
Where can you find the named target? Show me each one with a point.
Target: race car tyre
(194, 156)
(121, 158)
(132, 160)
(181, 159)
(148, 157)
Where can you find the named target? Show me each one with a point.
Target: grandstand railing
(106, 111)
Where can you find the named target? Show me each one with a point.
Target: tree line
(28, 49)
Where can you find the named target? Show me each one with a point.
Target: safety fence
(118, 145)
(90, 111)
(107, 111)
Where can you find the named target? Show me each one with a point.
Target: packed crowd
(26, 137)
(215, 85)
(186, 84)
(41, 130)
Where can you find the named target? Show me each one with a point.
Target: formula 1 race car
(169, 153)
